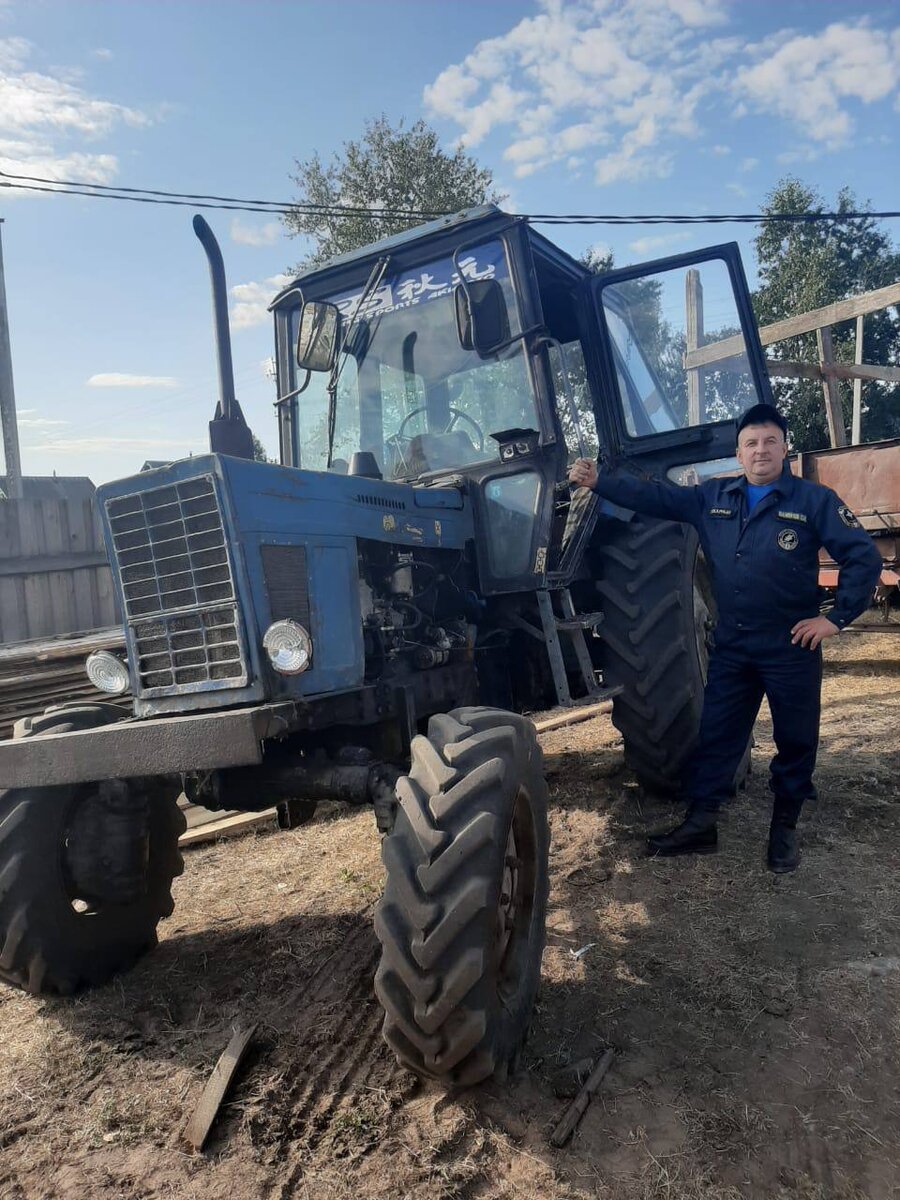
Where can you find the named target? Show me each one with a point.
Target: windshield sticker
(427, 283)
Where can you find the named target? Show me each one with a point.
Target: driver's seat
(436, 451)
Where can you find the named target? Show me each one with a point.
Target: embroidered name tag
(792, 516)
(722, 512)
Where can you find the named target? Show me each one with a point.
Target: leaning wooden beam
(227, 827)
(856, 421)
(574, 715)
(831, 391)
(577, 1108)
(197, 1129)
(808, 322)
(856, 371)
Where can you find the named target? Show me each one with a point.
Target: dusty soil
(756, 1019)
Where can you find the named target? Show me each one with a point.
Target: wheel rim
(515, 907)
(96, 882)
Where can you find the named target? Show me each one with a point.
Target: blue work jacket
(764, 563)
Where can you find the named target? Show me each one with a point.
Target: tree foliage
(391, 167)
(805, 266)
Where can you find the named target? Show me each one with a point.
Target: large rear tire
(461, 921)
(656, 635)
(58, 934)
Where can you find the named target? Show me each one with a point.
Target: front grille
(177, 585)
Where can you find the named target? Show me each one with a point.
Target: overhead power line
(100, 191)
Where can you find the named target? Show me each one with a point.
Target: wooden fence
(827, 370)
(54, 576)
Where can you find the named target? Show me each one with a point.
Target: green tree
(259, 451)
(805, 266)
(391, 167)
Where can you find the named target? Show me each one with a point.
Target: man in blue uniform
(761, 535)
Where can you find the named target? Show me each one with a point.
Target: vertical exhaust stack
(229, 433)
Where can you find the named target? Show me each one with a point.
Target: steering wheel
(456, 415)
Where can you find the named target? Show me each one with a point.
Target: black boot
(697, 835)
(784, 848)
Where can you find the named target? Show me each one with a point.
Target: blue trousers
(742, 671)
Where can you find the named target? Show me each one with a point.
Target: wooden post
(831, 389)
(856, 425)
(8, 400)
(693, 310)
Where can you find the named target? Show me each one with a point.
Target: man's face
(761, 451)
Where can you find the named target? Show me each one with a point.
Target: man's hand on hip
(583, 473)
(812, 631)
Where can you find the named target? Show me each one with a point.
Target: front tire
(58, 934)
(461, 921)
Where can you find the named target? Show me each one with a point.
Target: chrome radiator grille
(179, 593)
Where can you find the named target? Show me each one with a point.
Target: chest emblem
(721, 512)
(788, 539)
(848, 517)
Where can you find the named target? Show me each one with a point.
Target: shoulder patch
(722, 512)
(848, 516)
(793, 516)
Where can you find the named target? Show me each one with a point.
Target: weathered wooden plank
(197, 1129)
(42, 564)
(856, 420)
(228, 827)
(836, 370)
(808, 322)
(693, 307)
(831, 389)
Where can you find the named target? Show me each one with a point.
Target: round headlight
(107, 672)
(288, 646)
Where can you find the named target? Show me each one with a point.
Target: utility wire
(36, 183)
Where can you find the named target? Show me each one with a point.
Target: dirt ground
(755, 1019)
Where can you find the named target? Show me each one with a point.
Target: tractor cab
(474, 350)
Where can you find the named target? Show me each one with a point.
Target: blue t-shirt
(755, 493)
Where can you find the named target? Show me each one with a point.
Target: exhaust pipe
(229, 433)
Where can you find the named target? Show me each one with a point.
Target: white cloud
(108, 445)
(640, 75)
(748, 164)
(102, 53)
(115, 379)
(807, 78)
(42, 114)
(737, 189)
(37, 422)
(251, 301)
(245, 234)
(656, 242)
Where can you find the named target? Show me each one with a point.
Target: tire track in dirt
(319, 1073)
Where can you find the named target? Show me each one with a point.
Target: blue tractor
(368, 621)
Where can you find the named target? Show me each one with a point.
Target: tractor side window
(574, 405)
(679, 352)
(512, 505)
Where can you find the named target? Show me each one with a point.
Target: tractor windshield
(407, 391)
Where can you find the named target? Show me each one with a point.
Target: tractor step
(582, 621)
(572, 625)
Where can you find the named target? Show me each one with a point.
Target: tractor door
(680, 360)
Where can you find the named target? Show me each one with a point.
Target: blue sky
(597, 105)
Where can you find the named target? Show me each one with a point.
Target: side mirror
(318, 336)
(482, 322)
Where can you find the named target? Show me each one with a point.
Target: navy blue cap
(763, 414)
